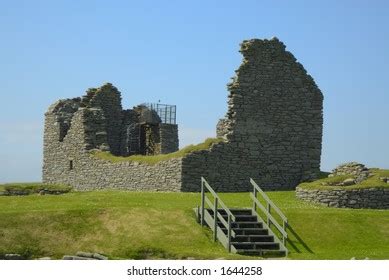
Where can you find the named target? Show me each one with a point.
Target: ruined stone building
(272, 133)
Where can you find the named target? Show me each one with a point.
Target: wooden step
(242, 225)
(256, 245)
(262, 252)
(244, 218)
(253, 238)
(235, 212)
(249, 235)
(250, 231)
(238, 218)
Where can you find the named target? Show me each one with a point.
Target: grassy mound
(328, 183)
(139, 225)
(157, 158)
(31, 188)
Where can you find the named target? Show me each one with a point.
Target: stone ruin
(358, 171)
(350, 168)
(108, 127)
(345, 193)
(272, 133)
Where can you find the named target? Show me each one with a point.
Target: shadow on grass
(299, 240)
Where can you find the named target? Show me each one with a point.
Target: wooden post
(229, 233)
(268, 210)
(215, 220)
(198, 214)
(202, 202)
(255, 195)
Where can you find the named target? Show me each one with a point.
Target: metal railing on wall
(166, 112)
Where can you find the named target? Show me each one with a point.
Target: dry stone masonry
(273, 125)
(339, 196)
(373, 198)
(272, 132)
(75, 127)
(358, 170)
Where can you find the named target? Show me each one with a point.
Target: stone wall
(70, 162)
(74, 128)
(272, 132)
(108, 99)
(274, 129)
(374, 198)
(222, 128)
(168, 134)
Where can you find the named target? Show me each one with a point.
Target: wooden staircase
(243, 231)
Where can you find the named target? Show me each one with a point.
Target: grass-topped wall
(373, 192)
(153, 159)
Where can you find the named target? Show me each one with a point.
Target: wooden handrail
(268, 200)
(216, 215)
(222, 220)
(221, 203)
(267, 211)
(268, 215)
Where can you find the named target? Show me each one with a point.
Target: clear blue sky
(184, 53)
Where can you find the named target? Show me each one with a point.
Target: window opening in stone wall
(149, 139)
(70, 164)
(133, 138)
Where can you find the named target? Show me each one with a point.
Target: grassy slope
(157, 158)
(162, 225)
(372, 182)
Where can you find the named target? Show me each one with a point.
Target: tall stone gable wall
(273, 126)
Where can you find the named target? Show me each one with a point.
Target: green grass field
(162, 225)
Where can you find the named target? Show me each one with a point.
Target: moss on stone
(328, 182)
(158, 158)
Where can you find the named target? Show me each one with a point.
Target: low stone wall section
(90, 173)
(373, 198)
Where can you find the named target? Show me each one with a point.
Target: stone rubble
(358, 172)
(78, 256)
(13, 257)
(85, 256)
